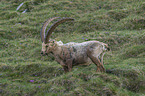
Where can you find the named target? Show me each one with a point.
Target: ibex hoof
(100, 70)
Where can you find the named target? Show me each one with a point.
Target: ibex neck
(57, 50)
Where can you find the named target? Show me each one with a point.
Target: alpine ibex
(72, 54)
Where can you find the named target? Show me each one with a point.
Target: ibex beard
(72, 54)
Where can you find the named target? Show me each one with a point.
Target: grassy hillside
(119, 23)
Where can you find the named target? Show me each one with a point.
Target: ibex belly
(80, 57)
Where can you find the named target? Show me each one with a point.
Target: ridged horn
(42, 33)
(51, 29)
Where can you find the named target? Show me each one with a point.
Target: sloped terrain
(119, 23)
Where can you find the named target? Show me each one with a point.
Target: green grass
(119, 23)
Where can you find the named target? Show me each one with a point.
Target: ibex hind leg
(96, 61)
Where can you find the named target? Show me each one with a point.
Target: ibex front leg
(64, 65)
(69, 64)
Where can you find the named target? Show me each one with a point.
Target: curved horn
(51, 29)
(42, 33)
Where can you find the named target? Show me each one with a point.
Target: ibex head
(47, 44)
